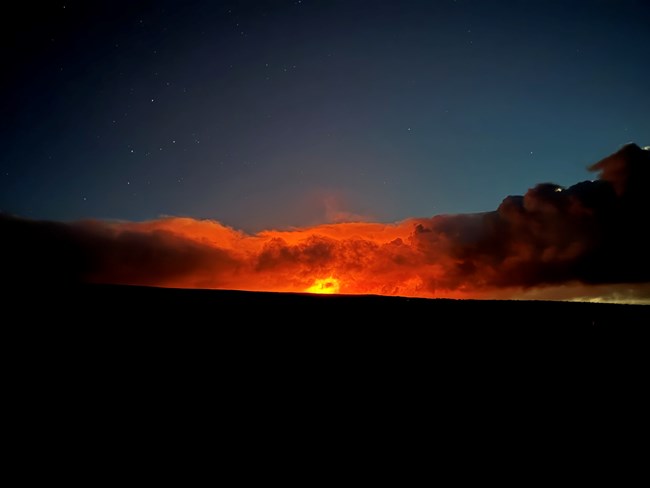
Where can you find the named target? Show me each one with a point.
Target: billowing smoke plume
(588, 235)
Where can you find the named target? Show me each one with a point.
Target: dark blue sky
(286, 113)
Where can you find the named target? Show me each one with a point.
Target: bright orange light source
(327, 285)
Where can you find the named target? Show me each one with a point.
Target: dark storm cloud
(52, 252)
(591, 233)
(627, 170)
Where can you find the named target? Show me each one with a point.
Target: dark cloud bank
(592, 233)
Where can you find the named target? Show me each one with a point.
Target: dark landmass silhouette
(229, 309)
(187, 350)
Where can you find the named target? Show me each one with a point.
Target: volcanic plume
(586, 240)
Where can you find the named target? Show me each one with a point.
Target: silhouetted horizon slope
(223, 307)
(132, 337)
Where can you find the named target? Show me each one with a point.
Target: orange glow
(328, 286)
(546, 243)
(365, 257)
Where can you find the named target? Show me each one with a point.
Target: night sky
(273, 114)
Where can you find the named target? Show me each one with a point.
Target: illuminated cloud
(586, 241)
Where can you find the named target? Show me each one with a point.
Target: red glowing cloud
(550, 238)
